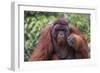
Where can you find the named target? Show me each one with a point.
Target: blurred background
(34, 21)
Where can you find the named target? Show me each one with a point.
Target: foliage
(82, 22)
(34, 22)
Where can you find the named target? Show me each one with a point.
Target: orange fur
(44, 46)
(78, 45)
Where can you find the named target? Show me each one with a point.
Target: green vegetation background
(35, 21)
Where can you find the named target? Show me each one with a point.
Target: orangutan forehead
(61, 22)
(58, 26)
